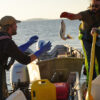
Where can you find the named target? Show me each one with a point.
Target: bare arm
(33, 57)
(70, 16)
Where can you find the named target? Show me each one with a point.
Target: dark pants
(3, 86)
(88, 45)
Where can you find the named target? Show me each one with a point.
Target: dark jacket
(89, 20)
(9, 49)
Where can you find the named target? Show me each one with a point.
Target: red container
(62, 91)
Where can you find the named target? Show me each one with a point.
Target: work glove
(26, 45)
(63, 15)
(67, 15)
(43, 49)
(41, 43)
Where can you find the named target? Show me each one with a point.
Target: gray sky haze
(51, 9)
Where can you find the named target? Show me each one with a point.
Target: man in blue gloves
(8, 48)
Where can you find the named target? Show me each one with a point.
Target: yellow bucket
(43, 90)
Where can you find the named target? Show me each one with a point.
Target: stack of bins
(62, 91)
(43, 90)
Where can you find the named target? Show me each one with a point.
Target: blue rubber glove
(41, 43)
(26, 45)
(43, 49)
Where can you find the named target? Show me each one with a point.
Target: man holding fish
(89, 19)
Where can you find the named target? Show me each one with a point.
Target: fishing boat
(61, 65)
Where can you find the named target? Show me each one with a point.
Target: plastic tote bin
(43, 90)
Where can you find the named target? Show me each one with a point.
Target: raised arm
(70, 16)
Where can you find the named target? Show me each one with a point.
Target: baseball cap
(8, 20)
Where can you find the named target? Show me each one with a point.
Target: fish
(63, 30)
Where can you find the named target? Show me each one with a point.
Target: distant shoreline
(39, 19)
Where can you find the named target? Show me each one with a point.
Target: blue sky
(51, 9)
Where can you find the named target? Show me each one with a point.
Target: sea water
(47, 30)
